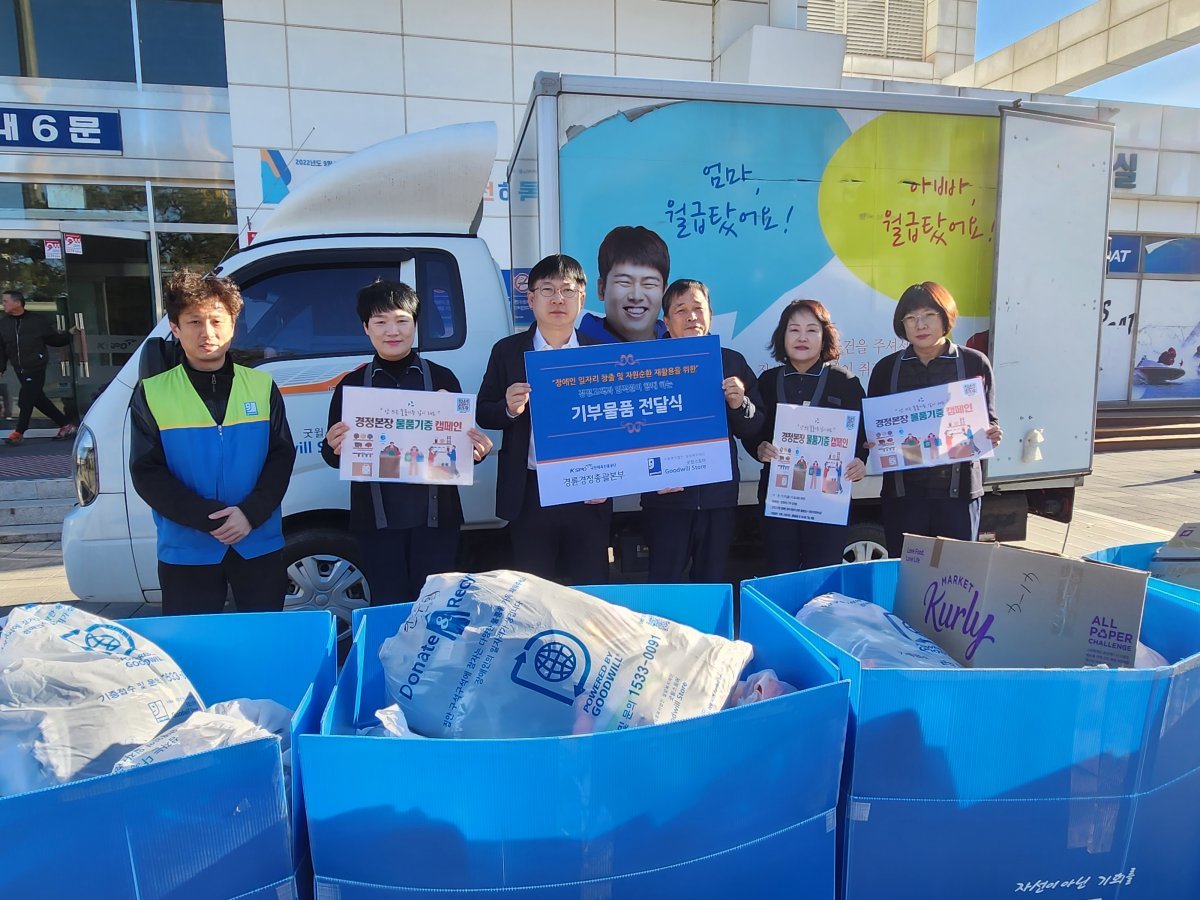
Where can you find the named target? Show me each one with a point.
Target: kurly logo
(103, 638)
(554, 663)
(944, 615)
(449, 623)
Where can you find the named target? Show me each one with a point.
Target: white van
(790, 193)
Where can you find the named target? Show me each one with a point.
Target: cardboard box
(738, 803)
(993, 606)
(211, 825)
(998, 782)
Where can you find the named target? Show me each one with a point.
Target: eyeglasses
(926, 318)
(549, 292)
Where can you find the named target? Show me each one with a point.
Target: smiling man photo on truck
(211, 454)
(634, 265)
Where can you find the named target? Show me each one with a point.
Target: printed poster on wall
(934, 426)
(410, 437)
(807, 481)
(615, 419)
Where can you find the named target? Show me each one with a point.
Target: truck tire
(865, 541)
(323, 572)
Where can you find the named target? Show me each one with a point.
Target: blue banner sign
(617, 419)
(89, 131)
(1124, 253)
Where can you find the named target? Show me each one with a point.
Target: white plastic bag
(222, 725)
(391, 724)
(503, 654)
(78, 692)
(764, 685)
(877, 638)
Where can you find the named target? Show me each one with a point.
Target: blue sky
(1173, 80)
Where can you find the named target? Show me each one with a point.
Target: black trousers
(942, 517)
(33, 396)
(566, 543)
(396, 561)
(677, 536)
(258, 585)
(792, 546)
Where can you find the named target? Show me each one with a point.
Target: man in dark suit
(567, 542)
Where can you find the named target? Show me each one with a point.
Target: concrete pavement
(1130, 498)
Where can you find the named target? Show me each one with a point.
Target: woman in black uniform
(943, 501)
(806, 343)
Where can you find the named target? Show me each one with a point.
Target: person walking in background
(24, 337)
(945, 500)
(212, 455)
(694, 525)
(807, 346)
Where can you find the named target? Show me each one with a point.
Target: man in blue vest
(211, 454)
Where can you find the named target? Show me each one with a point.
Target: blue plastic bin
(989, 783)
(740, 803)
(1139, 556)
(212, 825)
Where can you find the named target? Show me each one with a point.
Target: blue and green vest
(218, 462)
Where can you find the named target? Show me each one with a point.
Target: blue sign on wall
(1124, 253)
(88, 131)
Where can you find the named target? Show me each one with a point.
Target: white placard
(410, 437)
(933, 426)
(808, 478)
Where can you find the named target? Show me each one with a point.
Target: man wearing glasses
(569, 542)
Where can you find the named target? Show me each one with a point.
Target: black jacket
(24, 339)
(506, 366)
(404, 505)
(938, 481)
(165, 494)
(843, 390)
(722, 494)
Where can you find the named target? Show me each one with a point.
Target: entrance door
(109, 300)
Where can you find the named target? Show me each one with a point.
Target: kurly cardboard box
(1000, 607)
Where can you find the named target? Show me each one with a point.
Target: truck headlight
(87, 478)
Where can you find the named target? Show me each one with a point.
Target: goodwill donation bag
(993, 606)
(504, 654)
(78, 692)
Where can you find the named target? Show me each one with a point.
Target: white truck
(765, 193)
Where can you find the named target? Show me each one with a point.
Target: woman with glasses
(942, 501)
(806, 344)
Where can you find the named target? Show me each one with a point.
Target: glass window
(90, 40)
(214, 206)
(309, 311)
(10, 47)
(182, 42)
(114, 202)
(1179, 256)
(188, 250)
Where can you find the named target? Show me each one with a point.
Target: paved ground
(1130, 498)
(36, 457)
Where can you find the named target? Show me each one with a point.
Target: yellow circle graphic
(912, 197)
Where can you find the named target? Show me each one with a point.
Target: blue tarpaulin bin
(211, 825)
(999, 782)
(738, 803)
(1140, 556)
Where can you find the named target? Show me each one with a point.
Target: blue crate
(738, 803)
(210, 825)
(1139, 556)
(976, 782)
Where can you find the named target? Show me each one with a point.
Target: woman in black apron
(806, 343)
(942, 501)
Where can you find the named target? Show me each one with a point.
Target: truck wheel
(865, 541)
(323, 573)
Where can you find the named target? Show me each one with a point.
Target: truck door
(1051, 233)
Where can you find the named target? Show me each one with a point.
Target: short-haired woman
(942, 501)
(806, 344)
(405, 532)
